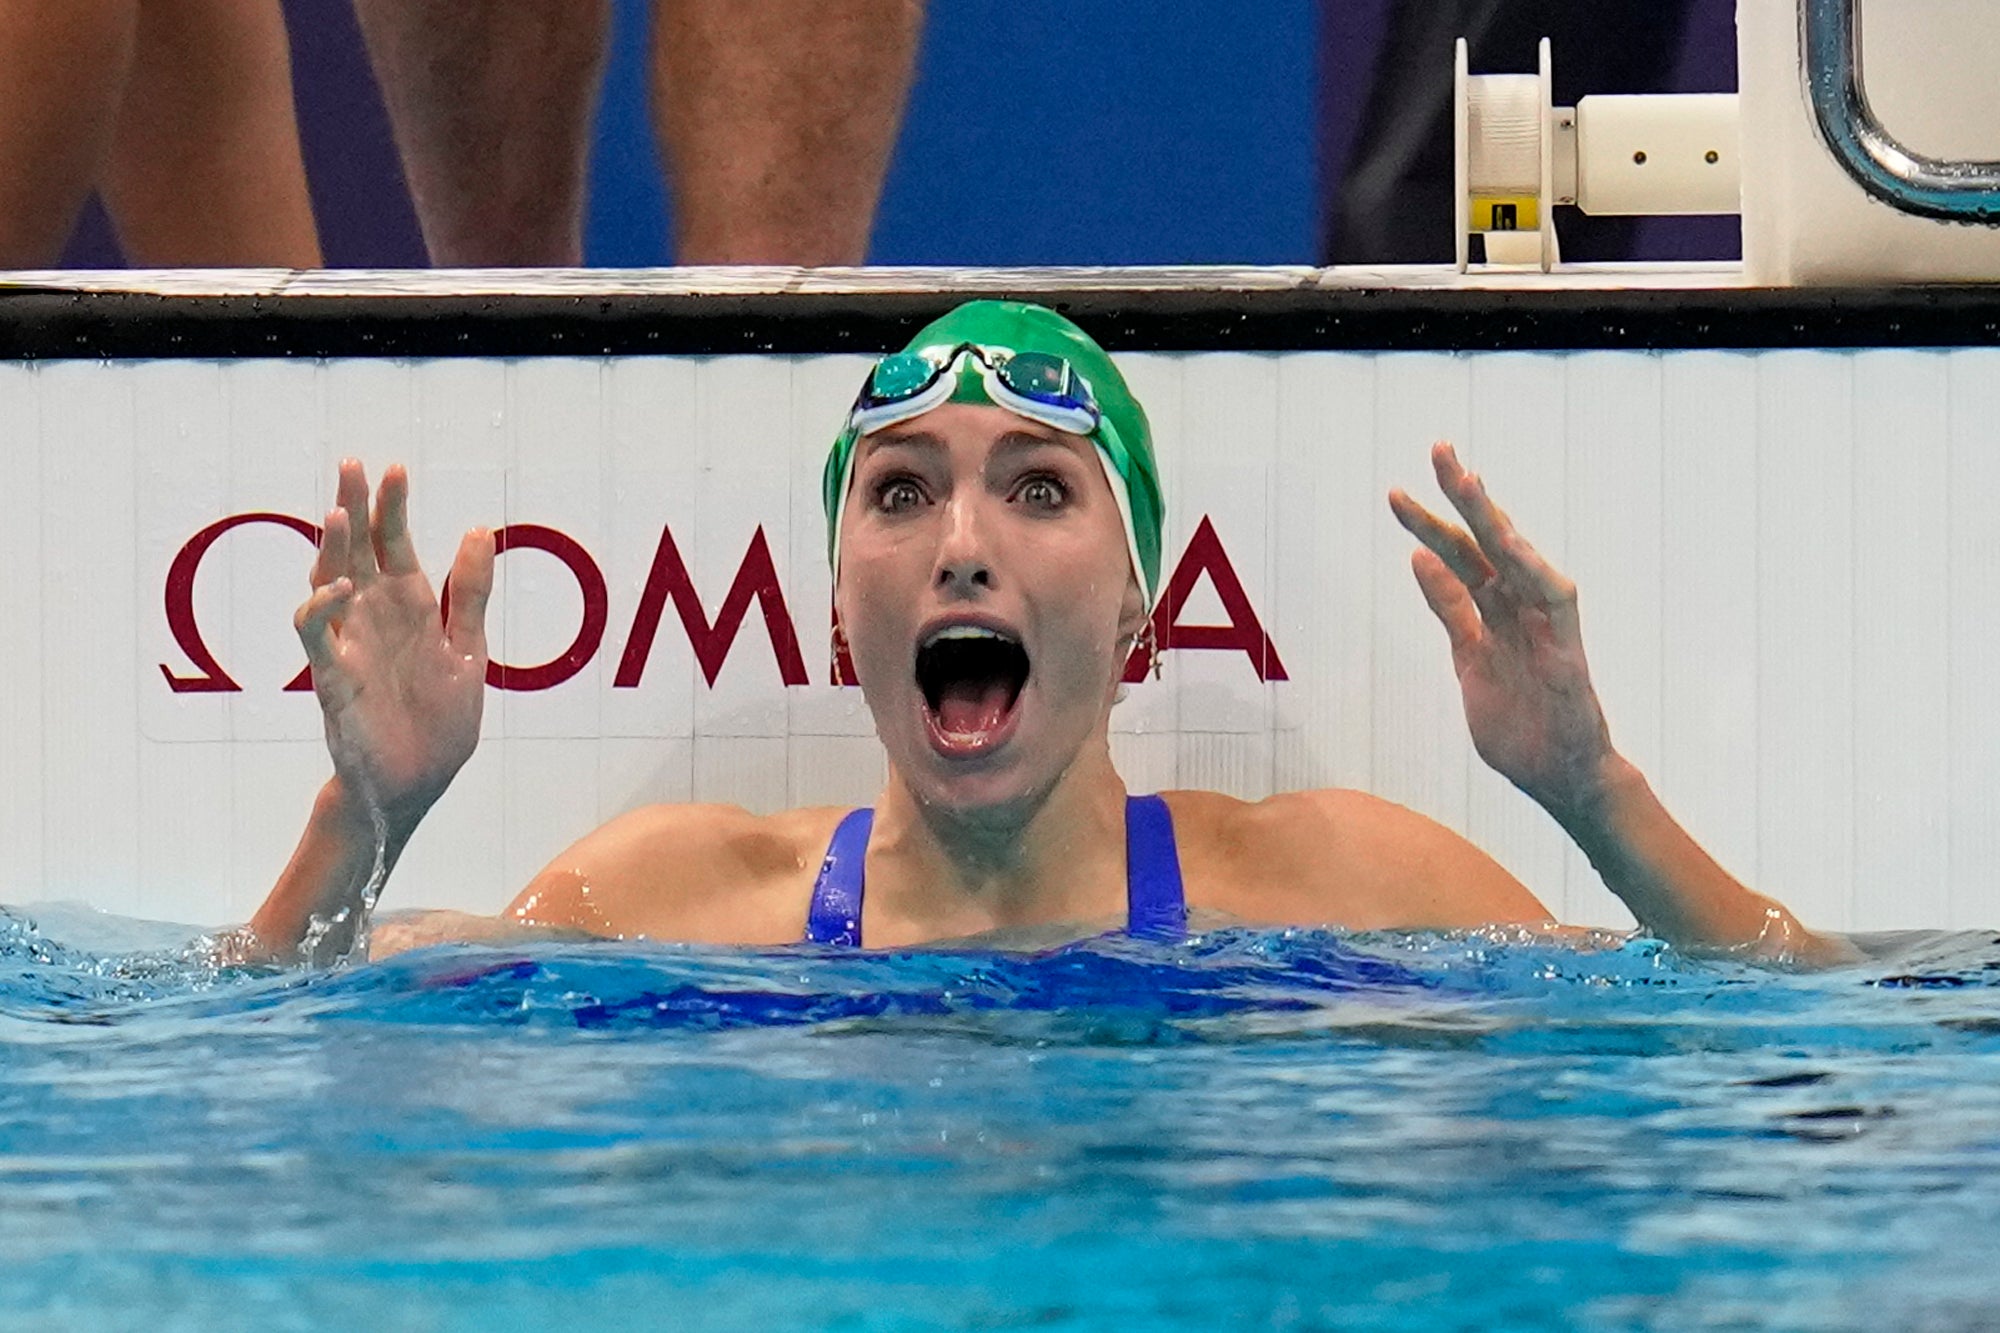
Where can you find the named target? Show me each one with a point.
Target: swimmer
(776, 124)
(178, 112)
(995, 534)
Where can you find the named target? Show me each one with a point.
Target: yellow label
(1506, 213)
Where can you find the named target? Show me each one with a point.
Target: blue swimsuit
(1155, 907)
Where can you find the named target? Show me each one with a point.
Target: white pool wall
(1786, 561)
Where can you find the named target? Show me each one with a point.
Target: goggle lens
(895, 378)
(1043, 377)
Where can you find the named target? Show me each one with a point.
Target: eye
(896, 495)
(1042, 491)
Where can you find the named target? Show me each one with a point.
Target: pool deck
(762, 280)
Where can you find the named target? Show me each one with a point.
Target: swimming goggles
(1040, 386)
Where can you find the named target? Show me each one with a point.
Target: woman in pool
(994, 527)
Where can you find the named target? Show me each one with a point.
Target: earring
(1149, 643)
(840, 662)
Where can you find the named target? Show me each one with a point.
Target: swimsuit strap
(835, 915)
(1155, 904)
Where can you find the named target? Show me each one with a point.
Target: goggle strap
(840, 506)
(1121, 493)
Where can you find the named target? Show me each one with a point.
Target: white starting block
(1815, 152)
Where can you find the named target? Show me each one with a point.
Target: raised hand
(1515, 643)
(401, 692)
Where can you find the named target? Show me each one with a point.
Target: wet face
(987, 599)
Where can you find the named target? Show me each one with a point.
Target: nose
(963, 562)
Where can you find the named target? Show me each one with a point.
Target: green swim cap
(1124, 442)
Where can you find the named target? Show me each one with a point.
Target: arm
(1518, 650)
(401, 695)
(1675, 887)
(1343, 858)
(399, 932)
(697, 874)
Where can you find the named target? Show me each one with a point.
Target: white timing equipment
(1516, 154)
(1841, 175)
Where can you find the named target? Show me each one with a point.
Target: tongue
(971, 707)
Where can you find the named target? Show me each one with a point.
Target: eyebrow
(1014, 441)
(894, 439)
(1020, 441)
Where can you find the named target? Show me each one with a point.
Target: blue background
(1046, 132)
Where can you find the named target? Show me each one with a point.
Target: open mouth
(971, 678)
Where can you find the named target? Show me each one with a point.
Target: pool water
(1291, 1130)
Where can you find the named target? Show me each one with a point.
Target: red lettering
(1244, 633)
(589, 632)
(209, 677)
(668, 579)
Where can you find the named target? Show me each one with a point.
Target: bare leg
(492, 102)
(62, 68)
(778, 123)
(204, 168)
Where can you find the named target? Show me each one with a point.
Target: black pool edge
(43, 324)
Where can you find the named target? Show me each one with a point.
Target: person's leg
(492, 103)
(204, 168)
(62, 71)
(778, 122)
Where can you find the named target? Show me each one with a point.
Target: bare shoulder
(1339, 857)
(713, 874)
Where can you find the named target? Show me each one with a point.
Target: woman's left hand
(1515, 643)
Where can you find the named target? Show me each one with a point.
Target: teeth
(966, 632)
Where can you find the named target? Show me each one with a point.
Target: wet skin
(970, 518)
(971, 515)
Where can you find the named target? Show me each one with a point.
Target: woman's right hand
(401, 693)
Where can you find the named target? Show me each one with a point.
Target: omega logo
(668, 581)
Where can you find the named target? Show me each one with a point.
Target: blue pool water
(1252, 1131)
